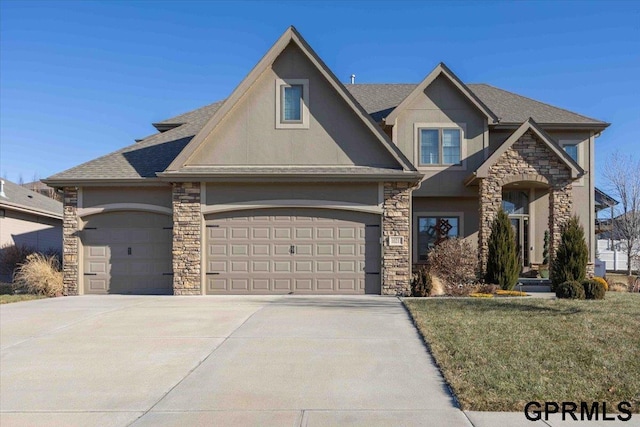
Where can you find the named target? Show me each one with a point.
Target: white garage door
(127, 253)
(314, 251)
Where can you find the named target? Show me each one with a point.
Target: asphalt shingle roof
(20, 197)
(154, 153)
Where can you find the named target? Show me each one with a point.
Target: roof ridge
(536, 101)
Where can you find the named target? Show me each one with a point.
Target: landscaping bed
(497, 354)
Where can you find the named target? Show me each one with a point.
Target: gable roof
(442, 70)
(22, 199)
(529, 125)
(291, 35)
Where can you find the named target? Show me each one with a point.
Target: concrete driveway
(268, 360)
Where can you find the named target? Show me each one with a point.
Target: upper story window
(292, 104)
(439, 146)
(572, 151)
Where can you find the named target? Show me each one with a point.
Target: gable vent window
(292, 104)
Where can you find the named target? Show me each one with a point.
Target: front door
(520, 226)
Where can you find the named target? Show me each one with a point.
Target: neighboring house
(29, 219)
(298, 184)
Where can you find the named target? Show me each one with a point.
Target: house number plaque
(396, 240)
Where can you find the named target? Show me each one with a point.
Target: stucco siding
(151, 195)
(367, 194)
(248, 135)
(40, 232)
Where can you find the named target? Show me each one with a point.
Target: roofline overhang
(414, 177)
(554, 126)
(61, 183)
(38, 212)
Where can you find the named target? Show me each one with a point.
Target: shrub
(570, 260)
(618, 287)
(487, 289)
(602, 281)
(421, 284)
(503, 263)
(570, 290)
(593, 289)
(454, 261)
(545, 248)
(13, 255)
(40, 275)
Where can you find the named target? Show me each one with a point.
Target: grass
(498, 354)
(7, 299)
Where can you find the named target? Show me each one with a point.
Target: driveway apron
(165, 361)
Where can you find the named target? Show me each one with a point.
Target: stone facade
(70, 259)
(527, 160)
(396, 266)
(187, 237)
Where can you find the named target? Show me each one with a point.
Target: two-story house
(297, 183)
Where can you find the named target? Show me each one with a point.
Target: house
(297, 183)
(28, 218)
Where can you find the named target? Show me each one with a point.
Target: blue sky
(80, 79)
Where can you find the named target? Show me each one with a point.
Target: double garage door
(314, 251)
(127, 253)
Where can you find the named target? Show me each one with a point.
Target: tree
(622, 175)
(570, 260)
(503, 262)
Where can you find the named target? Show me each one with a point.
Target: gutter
(287, 177)
(554, 126)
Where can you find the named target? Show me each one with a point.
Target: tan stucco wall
(96, 196)
(248, 136)
(442, 103)
(21, 228)
(466, 208)
(247, 192)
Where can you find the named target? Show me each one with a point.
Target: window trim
(417, 127)
(279, 107)
(414, 227)
(580, 160)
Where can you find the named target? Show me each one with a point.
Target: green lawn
(498, 354)
(6, 299)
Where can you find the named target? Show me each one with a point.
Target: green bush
(503, 262)
(593, 289)
(570, 290)
(570, 260)
(422, 283)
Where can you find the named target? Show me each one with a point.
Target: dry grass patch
(498, 354)
(7, 299)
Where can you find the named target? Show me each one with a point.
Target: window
(292, 104)
(432, 229)
(572, 151)
(441, 146)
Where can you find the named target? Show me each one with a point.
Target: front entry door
(520, 226)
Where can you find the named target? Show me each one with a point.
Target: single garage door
(316, 251)
(127, 253)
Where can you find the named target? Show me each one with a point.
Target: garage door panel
(127, 252)
(293, 250)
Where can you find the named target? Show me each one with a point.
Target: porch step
(533, 285)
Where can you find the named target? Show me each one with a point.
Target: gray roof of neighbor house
(154, 153)
(22, 199)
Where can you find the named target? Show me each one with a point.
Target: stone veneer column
(490, 204)
(70, 258)
(396, 268)
(560, 206)
(187, 235)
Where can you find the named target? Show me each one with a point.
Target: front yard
(498, 354)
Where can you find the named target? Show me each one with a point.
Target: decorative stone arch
(527, 160)
(524, 177)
